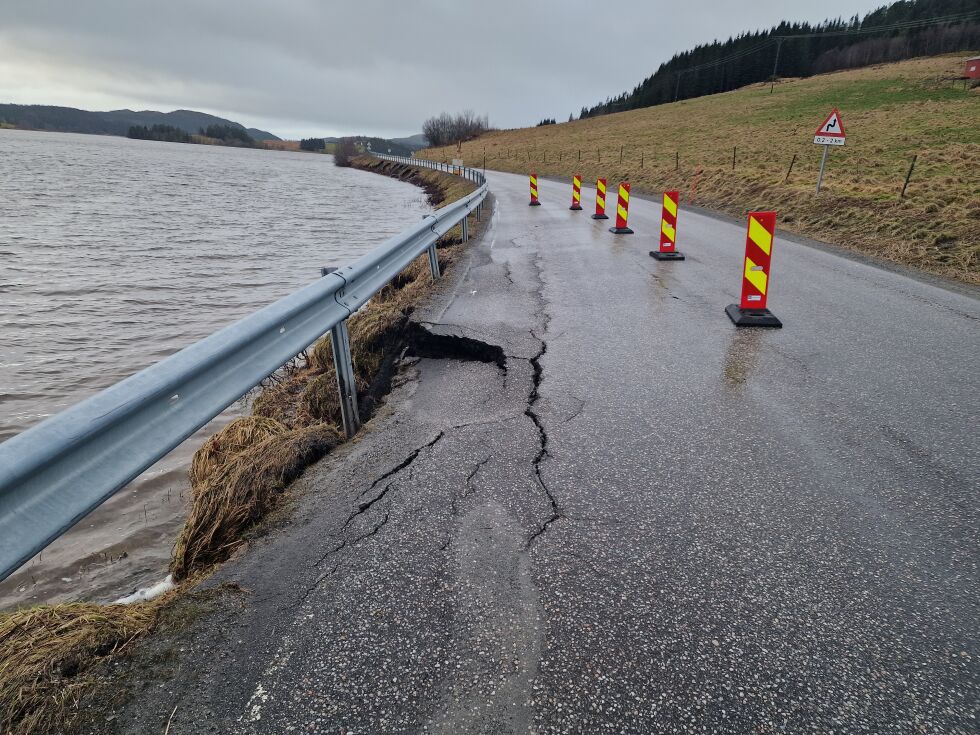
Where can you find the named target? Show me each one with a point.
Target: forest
(895, 32)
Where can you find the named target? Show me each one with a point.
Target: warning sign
(832, 130)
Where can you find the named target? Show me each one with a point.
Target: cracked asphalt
(640, 520)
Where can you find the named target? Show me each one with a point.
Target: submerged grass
(48, 652)
(891, 113)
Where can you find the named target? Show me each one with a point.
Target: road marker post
(576, 193)
(600, 200)
(622, 210)
(668, 229)
(751, 311)
(534, 191)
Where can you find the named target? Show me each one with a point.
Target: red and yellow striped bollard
(534, 191)
(600, 200)
(752, 311)
(576, 193)
(622, 210)
(668, 229)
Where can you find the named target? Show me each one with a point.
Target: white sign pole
(823, 163)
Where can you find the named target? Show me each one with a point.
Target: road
(644, 521)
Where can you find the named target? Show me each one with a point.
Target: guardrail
(55, 473)
(472, 174)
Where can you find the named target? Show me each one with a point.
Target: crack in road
(344, 544)
(412, 456)
(529, 411)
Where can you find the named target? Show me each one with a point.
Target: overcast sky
(303, 68)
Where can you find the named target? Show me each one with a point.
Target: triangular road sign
(831, 132)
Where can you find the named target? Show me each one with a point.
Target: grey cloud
(307, 67)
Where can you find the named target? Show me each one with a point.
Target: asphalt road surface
(638, 519)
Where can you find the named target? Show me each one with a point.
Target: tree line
(167, 133)
(898, 31)
(229, 134)
(446, 129)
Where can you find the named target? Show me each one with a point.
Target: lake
(116, 253)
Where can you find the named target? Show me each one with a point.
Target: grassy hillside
(890, 113)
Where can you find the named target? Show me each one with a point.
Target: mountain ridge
(113, 122)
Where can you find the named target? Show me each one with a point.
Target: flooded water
(115, 253)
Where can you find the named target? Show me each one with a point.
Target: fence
(55, 473)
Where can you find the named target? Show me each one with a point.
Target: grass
(49, 654)
(890, 112)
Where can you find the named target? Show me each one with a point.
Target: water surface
(115, 253)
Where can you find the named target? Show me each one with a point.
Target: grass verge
(49, 653)
(732, 152)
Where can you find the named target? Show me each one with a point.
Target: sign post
(831, 132)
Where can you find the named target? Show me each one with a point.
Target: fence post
(790, 170)
(734, 149)
(340, 341)
(909, 175)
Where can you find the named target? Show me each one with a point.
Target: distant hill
(415, 142)
(114, 122)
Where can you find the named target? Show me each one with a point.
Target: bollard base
(534, 204)
(575, 208)
(621, 230)
(600, 216)
(752, 317)
(668, 255)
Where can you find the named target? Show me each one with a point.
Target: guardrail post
(466, 229)
(434, 262)
(340, 340)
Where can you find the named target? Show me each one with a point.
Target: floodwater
(116, 253)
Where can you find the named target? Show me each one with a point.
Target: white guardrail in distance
(55, 473)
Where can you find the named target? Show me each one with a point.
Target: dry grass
(47, 652)
(890, 112)
(239, 491)
(280, 145)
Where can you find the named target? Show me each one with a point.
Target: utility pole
(775, 66)
(677, 89)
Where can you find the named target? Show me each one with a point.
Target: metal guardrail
(55, 473)
(472, 174)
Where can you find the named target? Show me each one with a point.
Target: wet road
(647, 521)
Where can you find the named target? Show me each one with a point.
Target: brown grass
(890, 112)
(47, 652)
(280, 145)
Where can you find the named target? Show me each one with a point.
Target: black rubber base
(534, 204)
(752, 317)
(575, 209)
(621, 230)
(674, 255)
(600, 216)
